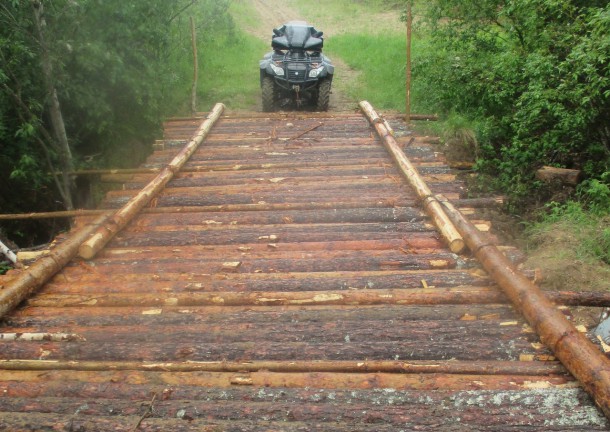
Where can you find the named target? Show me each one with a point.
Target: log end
(85, 251)
(457, 245)
(562, 175)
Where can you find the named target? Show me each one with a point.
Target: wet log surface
(317, 252)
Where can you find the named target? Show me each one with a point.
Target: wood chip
(241, 380)
(271, 237)
(231, 266)
(603, 344)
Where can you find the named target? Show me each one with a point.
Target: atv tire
(323, 94)
(268, 94)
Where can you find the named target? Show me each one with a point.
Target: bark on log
(371, 203)
(320, 417)
(574, 350)
(122, 217)
(433, 208)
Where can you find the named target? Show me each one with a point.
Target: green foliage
(233, 76)
(535, 74)
(4, 267)
(595, 195)
(381, 72)
(119, 67)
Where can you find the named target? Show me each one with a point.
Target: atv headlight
(278, 70)
(315, 72)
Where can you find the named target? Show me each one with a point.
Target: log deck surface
(310, 293)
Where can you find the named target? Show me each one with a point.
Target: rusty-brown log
(317, 380)
(27, 282)
(370, 203)
(122, 217)
(433, 208)
(584, 360)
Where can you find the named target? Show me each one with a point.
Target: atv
(296, 72)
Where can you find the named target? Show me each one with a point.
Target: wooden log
(322, 416)
(314, 380)
(357, 366)
(461, 340)
(509, 346)
(295, 409)
(313, 205)
(574, 350)
(288, 179)
(28, 281)
(122, 217)
(433, 208)
(413, 296)
(562, 175)
(190, 198)
(203, 316)
(31, 255)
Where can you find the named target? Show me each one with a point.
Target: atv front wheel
(323, 94)
(268, 94)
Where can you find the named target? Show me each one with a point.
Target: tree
(115, 67)
(533, 75)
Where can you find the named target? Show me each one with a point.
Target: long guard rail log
(122, 217)
(577, 353)
(288, 278)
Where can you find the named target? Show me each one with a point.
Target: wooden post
(195, 69)
(408, 67)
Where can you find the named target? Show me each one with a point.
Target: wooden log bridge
(291, 272)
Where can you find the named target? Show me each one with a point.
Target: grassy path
(335, 18)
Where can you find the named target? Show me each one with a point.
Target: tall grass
(381, 61)
(230, 73)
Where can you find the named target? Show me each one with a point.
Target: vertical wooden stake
(195, 69)
(408, 68)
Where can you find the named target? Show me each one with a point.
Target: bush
(533, 74)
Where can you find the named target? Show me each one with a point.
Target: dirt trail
(273, 13)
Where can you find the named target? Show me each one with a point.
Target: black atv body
(296, 72)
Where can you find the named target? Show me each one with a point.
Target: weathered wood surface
(288, 280)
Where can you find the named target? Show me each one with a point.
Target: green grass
(336, 17)
(244, 14)
(230, 73)
(381, 61)
(572, 246)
